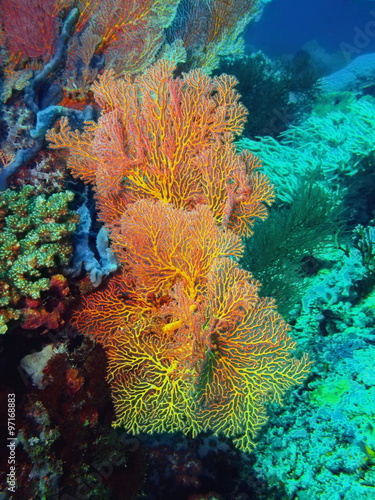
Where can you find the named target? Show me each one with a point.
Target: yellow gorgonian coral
(205, 352)
(229, 354)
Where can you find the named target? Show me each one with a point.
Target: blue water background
(286, 25)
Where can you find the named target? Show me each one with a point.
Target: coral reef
(141, 359)
(322, 447)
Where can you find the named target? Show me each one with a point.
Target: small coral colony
(127, 214)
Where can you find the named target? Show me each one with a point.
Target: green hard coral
(35, 240)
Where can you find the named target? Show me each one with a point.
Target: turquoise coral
(321, 446)
(331, 145)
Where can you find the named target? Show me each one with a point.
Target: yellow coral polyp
(171, 327)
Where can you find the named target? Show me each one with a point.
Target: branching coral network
(191, 345)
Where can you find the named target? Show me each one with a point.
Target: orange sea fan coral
(250, 360)
(233, 188)
(103, 312)
(30, 26)
(169, 139)
(161, 245)
(191, 345)
(131, 31)
(152, 391)
(82, 159)
(213, 365)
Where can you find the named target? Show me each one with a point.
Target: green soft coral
(35, 241)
